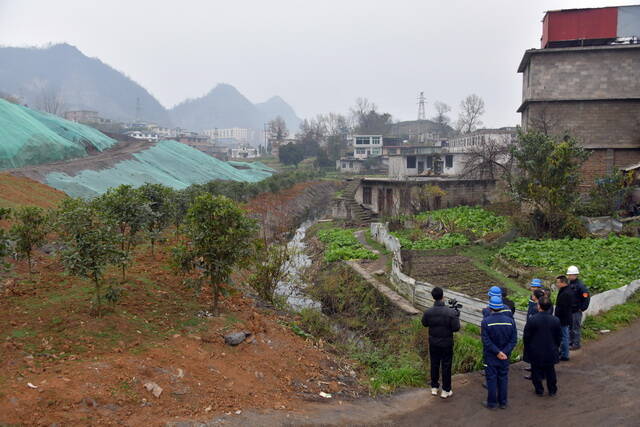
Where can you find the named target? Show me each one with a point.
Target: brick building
(590, 92)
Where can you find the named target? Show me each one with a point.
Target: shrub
(29, 230)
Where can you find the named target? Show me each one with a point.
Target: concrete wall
(459, 192)
(583, 73)
(596, 124)
(419, 292)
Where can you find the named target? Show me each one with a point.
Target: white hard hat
(573, 270)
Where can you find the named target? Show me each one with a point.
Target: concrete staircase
(359, 213)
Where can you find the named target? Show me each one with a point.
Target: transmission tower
(421, 112)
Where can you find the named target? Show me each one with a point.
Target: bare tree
(50, 101)
(278, 129)
(441, 117)
(489, 160)
(544, 122)
(471, 110)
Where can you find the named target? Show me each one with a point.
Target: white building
(244, 153)
(447, 158)
(365, 146)
(146, 136)
(232, 135)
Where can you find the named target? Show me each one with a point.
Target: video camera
(454, 304)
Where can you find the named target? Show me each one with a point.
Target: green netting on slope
(168, 162)
(29, 137)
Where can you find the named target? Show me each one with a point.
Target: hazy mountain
(225, 107)
(81, 83)
(276, 106)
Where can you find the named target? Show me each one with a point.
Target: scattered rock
(154, 388)
(605, 331)
(379, 272)
(88, 402)
(31, 385)
(236, 338)
(180, 373)
(325, 395)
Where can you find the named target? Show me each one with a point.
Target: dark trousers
(497, 383)
(540, 372)
(441, 356)
(576, 328)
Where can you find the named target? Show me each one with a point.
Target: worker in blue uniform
(499, 338)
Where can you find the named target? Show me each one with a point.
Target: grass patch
(612, 320)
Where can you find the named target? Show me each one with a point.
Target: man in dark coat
(506, 301)
(499, 338)
(581, 299)
(442, 322)
(564, 304)
(542, 337)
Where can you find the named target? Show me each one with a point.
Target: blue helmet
(495, 291)
(495, 303)
(536, 283)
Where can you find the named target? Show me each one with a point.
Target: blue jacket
(487, 311)
(498, 335)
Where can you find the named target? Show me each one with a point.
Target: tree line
(325, 136)
(214, 232)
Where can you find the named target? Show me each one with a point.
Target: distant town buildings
(146, 136)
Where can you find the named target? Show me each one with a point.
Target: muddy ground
(598, 387)
(454, 272)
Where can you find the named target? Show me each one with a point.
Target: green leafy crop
(341, 244)
(467, 218)
(604, 263)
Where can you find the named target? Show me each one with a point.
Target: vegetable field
(476, 220)
(604, 263)
(341, 244)
(408, 240)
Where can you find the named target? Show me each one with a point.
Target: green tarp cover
(168, 162)
(29, 137)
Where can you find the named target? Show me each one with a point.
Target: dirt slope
(598, 387)
(21, 191)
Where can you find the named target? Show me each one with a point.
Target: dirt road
(598, 387)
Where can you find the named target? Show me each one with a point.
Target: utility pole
(421, 112)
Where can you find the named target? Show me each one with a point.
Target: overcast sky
(318, 55)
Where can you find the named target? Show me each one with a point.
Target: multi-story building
(584, 82)
(231, 135)
(365, 146)
(445, 158)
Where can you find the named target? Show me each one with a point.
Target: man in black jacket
(442, 322)
(564, 303)
(581, 298)
(542, 337)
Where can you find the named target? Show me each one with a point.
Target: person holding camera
(442, 322)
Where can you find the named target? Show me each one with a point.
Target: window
(362, 140)
(375, 151)
(411, 162)
(375, 140)
(361, 151)
(429, 162)
(448, 161)
(350, 165)
(366, 195)
(344, 165)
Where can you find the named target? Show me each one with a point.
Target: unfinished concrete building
(585, 81)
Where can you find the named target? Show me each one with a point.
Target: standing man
(564, 305)
(542, 337)
(532, 307)
(499, 337)
(507, 302)
(581, 301)
(442, 322)
(497, 291)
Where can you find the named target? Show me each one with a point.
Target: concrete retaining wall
(419, 292)
(605, 301)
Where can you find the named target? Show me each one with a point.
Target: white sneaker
(434, 391)
(446, 394)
